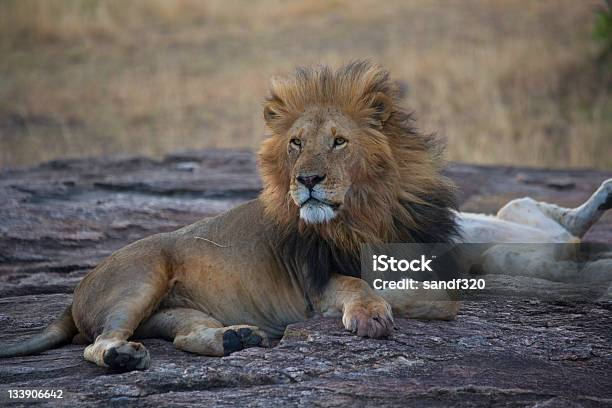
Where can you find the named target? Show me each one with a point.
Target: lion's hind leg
(560, 220)
(118, 354)
(112, 347)
(112, 301)
(196, 332)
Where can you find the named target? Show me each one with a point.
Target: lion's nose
(310, 181)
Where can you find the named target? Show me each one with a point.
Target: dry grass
(506, 82)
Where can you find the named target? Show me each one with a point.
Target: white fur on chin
(316, 213)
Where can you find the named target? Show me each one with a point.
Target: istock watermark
(491, 271)
(385, 263)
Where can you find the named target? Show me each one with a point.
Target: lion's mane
(399, 194)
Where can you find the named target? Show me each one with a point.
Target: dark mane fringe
(438, 220)
(317, 259)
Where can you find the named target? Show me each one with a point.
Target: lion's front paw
(369, 319)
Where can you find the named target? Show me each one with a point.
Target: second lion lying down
(342, 166)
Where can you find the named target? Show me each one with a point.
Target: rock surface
(60, 219)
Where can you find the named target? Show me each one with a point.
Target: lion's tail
(58, 333)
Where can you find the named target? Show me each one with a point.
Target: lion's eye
(339, 142)
(295, 142)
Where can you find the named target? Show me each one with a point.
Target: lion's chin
(316, 212)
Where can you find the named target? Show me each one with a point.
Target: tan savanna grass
(510, 82)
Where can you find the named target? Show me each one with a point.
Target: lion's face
(322, 149)
(343, 160)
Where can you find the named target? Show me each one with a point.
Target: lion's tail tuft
(58, 333)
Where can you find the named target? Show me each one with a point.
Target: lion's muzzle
(315, 207)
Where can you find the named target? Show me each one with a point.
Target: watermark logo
(383, 263)
(576, 271)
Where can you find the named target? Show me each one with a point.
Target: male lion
(342, 167)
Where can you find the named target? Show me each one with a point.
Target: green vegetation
(603, 28)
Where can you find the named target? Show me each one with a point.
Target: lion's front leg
(363, 311)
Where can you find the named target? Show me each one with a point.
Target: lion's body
(253, 284)
(230, 268)
(342, 167)
(224, 271)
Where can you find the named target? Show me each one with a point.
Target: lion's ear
(274, 107)
(274, 114)
(381, 107)
(269, 112)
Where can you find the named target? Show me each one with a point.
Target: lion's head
(343, 161)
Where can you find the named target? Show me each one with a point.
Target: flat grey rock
(58, 220)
